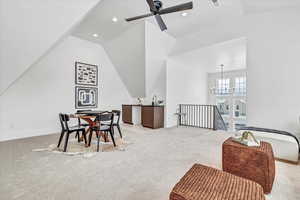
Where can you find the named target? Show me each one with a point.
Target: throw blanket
(251, 128)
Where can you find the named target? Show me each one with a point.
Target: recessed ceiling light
(184, 14)
(95, 35)
(114, 19)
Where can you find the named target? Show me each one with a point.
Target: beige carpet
(147, 170)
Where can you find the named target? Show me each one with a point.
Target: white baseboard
(14, 135)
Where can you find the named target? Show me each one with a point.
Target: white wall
(30, 28)
(185, 85)
(273, 71)
(187, 73)
(158, 46)
(127, 53)
(31, 106)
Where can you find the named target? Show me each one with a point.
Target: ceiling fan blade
(139, 17)
(161, 23)
(181, 7)
(151, 5)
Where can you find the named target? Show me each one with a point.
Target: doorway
(228, 91)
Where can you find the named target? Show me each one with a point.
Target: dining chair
(66, 129)
(117, 114)
(102, 118)
(116, 121)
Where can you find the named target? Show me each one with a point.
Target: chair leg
(78, 136)
(119, 129)
(60, 138)
(66, 142)
(84, 137)
(98, 143)
(98, 134)
(113, 130)
(112, 137)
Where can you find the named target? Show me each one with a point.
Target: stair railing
(201, 116)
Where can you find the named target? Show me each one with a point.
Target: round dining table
(89, 117)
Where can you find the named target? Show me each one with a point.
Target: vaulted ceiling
(255, 6)
(203, 16)
(232, 54)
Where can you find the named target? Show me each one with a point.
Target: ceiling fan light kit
(184, 14)
(156, 9)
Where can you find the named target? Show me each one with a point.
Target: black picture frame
(95, 67)
(78, 105)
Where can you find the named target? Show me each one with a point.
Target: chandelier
(222, 85)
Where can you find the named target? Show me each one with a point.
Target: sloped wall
(127, 53)
(31, 28)
(158, 47)
(31, 106)
(186, 84)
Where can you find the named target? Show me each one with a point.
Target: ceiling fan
(156, 11)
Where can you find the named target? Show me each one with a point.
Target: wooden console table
(149, 116)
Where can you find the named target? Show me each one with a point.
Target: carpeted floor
(147, 169)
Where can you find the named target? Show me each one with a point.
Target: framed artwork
(86, 74)
(86, 97)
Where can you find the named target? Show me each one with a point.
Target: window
(240, 86)
(223, 86)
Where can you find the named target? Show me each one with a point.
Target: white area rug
(75, 148)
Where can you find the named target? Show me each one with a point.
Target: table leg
(104, 136)
(81, 137)
(86, 132)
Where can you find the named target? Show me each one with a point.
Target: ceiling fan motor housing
(158, 5)
(156, 11)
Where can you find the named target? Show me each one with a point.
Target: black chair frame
(106, 128)
(117, 113)
(65, 129)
